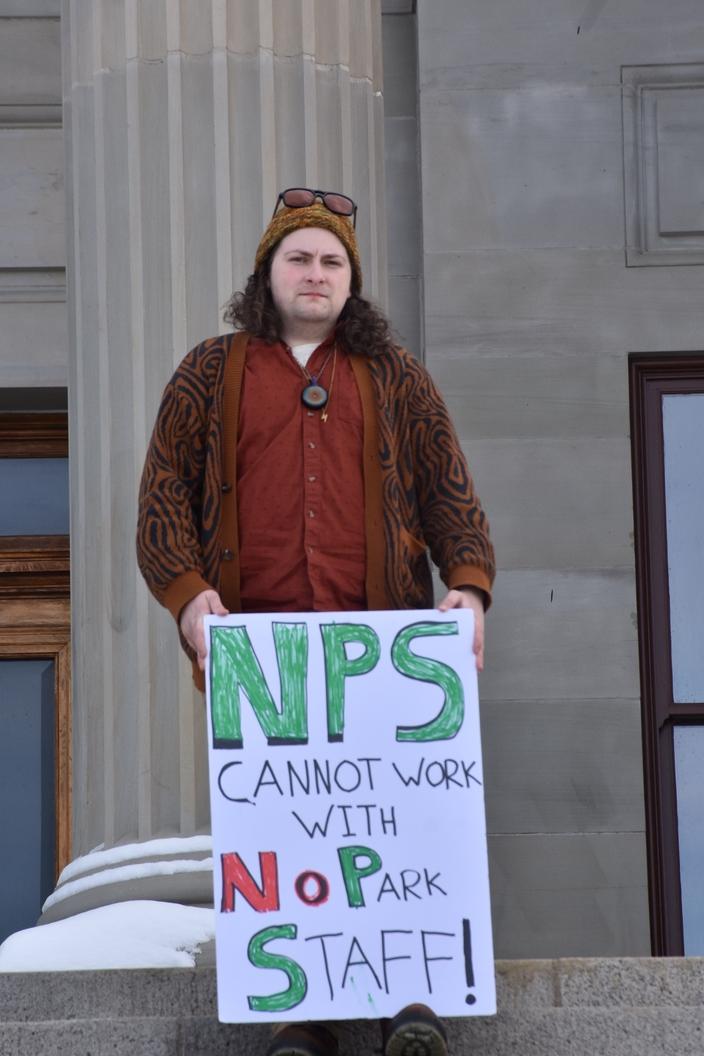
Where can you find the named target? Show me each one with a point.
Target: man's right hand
(191, 621)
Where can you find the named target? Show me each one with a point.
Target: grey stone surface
(199, 251)
(30, 55)
(33, 344)
(630, 983)
(207, 1037)
(551, 42)
(636, 1007)
(32, 219)
(29, 8)
(400, 66)
(500, 381)
(525, 984)
(142, 992)
(529, 315)
(148, 1037)
(646, 1032)
(570, 502)
(405, 311)
(402, 195)
(522, 152)
(246, 164)
(402, 179)
(154, 993)
(562, 636)
(591, 781)
(33, 338)
(583, 893)
(398, 7)
(562, 301)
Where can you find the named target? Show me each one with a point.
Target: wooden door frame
(41, 629)
(652, 376)
(35, 614)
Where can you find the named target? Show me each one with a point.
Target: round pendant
(314, 396)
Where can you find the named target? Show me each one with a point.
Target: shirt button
(227, 555)
(311, 513)
(311, 445)
(310, 414)
(311, 480)
(226, 487)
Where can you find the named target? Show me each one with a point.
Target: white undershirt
(304, 352)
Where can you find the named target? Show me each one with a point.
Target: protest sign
(349, 842)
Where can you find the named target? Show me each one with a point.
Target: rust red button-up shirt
(300, 486)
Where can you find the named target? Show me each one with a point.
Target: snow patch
(138, 934)
(99, 858)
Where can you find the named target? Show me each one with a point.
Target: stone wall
(33, 339)
(530, 313)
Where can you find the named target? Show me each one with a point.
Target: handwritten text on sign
(348, 816)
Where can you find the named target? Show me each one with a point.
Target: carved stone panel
(663, 129)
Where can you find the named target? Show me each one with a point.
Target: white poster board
(349, 840)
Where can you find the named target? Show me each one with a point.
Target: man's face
(310, 280)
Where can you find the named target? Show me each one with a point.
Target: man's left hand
(469, 598)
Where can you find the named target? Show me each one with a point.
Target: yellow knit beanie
(316, 215)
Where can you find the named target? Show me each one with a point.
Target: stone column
(183, 118)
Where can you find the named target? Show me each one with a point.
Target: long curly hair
(361, 328)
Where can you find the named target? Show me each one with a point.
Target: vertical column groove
(176, 191)
(267, 108)
(102, 485)
(222, 132)
(137, 350)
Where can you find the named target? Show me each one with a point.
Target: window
(35, 708)
(667, 417)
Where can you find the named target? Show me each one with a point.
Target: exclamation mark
(470, 999)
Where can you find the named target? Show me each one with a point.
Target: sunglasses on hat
(300, 197)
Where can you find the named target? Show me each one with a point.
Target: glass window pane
(27, 818)
(34, 496)
(683, 434)
(689, 778)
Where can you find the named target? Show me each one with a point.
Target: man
(307, 463)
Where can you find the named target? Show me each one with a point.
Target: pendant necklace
(314, 395)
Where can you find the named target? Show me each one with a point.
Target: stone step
(576, 1007)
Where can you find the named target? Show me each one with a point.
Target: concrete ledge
(615, 1007)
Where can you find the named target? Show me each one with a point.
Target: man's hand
(469, 598)
(191, 620)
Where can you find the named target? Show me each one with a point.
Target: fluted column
(183, 118)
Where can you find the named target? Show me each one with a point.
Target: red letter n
(236, 877)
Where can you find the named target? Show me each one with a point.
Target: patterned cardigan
(418, 491)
